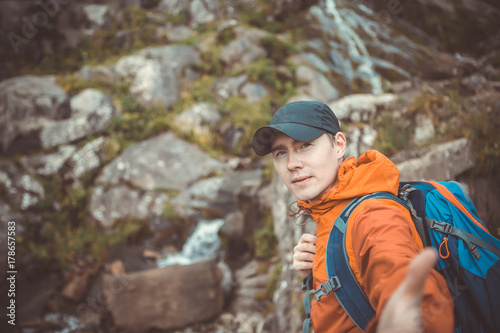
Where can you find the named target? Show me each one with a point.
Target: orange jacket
(381, 241)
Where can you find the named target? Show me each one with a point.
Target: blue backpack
(445, 219)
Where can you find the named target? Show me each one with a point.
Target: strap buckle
(332, 284)
(440, 226)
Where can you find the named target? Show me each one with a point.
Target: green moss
(67, 244)
(272, 285)
(53, 192)
(181, 18)
(200, 91)
(481, 129)
(137, 122)
(484, 136)
(211, 63)
(262, 17)
(266, 243)
(426, 103)
(73, 85)
(261, 70)
(225, 36)
(268, 172)
(443, 107)
(277, 50)
(68, 236)
(264, 71)
(392, 135)
(249, 116)
(111, 148)
(254, 17)
(192, 40)
(455, 104)
(169, 212)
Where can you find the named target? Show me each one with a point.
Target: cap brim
(263, 138)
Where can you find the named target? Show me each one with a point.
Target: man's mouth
(300, 180)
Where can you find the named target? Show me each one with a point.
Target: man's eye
(305, 145)
(279, 153)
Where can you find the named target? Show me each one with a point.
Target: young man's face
(308, 169)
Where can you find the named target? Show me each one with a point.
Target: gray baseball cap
(302, 121)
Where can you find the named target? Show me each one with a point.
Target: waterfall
(71, 323)
(204, 243)
(355, 47)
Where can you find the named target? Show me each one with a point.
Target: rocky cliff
(125, 126)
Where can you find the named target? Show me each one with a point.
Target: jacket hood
(372, 172)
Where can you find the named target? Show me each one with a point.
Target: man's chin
(306, 197)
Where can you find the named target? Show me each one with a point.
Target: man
(308, 151)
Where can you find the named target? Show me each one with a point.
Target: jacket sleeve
(383, 246)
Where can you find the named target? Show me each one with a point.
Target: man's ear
(340, 144)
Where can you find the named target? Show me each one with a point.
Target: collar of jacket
(372, 172)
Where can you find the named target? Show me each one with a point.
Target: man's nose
(294, 161)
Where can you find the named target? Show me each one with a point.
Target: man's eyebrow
(278, 147)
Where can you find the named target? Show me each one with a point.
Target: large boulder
(217, 195)
(161, 162)
(109, 205)
(30, 96)
(26, 104)
(311, 60)
(245, 49)
(203, 12)
(176, 57)
(361, 107)
(200, 119)
(442, 162)
(318, 86)
(91, 111)
(155, 73)
(229, 86)
(254, 92)
(166, 298)
(152, 84)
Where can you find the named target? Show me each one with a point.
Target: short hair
(331, 137)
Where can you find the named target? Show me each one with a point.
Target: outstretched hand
(303, 254)
(402, 312)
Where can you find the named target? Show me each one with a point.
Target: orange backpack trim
(450, 197)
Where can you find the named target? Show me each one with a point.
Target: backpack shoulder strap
(350, 295)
